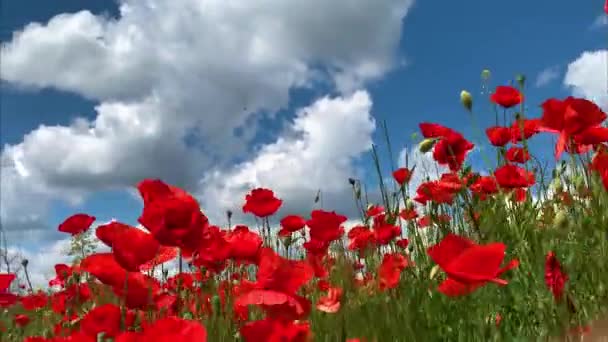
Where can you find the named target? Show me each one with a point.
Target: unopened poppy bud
(579, 181)
(426, 145)
(561, 219)
(351, 181)
(434, 271)
(287, 240)
(466, 99)
(521, 80)
(229, 214)
(24, 262)
(485, 74)
(187, 315)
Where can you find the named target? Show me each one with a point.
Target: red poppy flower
(402, 175)
(325, 226)
(274, 330)
(172, 215)
(244, 244)
(484, 186)
(517, 155)
(468, 265)
(34, 301)
(291, 224)
(360, 238)
(107, 233)
(21, 320)
(568, 118)
(555, 277)
(105, 318)
(385, 232)
(390, 270)
(499, 136)
(261, 202)
(524, 129)
(104, 267)
(280, 274)
(452, 147)
(76, 224)
(330, 303)
(408, 214)
(374, 210)
(511, 176)
(175, 329)
(506, 96)
(164, 255)
(5, 281)
(133, 247)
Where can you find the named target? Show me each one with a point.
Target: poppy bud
(409, 204)
(24, 262)
(466, 99)
(434, 271)
(287, 240)
(561, 219)
(521, 80)
(229, 214)
(351, 181)
(426, 145)
(485, 74)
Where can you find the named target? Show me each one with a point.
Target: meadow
(515, 252)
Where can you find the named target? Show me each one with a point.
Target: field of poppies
(514, 252)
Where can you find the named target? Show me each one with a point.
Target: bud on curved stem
(467, 100)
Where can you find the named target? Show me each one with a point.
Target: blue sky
(442, 48)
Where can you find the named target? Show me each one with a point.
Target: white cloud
(316, 152)
(587, 76)
(547, 76)
(165, 71)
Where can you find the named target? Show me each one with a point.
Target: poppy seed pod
(466, 99)
(426, 145)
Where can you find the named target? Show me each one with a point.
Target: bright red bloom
(600, 165)
(569, 118)
(164, 255)
(524, 129)
(385, 232)
(402, 243)
(107, 233)
(105, 318)
(439, 191)
(360, 238)
(402, 175)
(34, 301)
(484, 186)
(452, 147)
(174, 329)
(499, 136)
(104, 267)
(325, 226)
(21, 320)
(469, 265)
(76, 224)
(555, 277)
(390, 270)
(408, 214)
(290, 224)
(331, 302)
(139, 290)
(133, 247)
(374, 210)
(506, 96)
(5, 281)
(517, 155)
(172, 215)
(511, 176)
(261, 202)
(606, 7)
(274, 330)
(244, 244)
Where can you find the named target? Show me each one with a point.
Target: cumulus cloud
(547, 76)
(587, 76)
(315, 152)
(181, 87)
